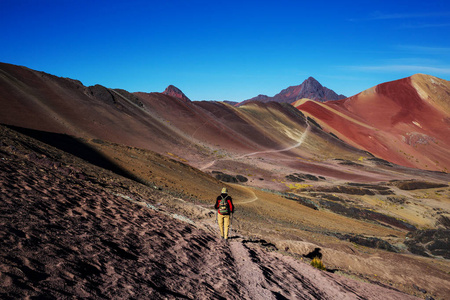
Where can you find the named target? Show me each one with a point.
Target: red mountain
(404, 121)
(310, 88)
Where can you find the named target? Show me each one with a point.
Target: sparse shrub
(297, 186)
(318, 264)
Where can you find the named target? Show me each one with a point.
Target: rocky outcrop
(175, 92)
(371, 242)
(429, 243)
(229, 178)
(408, 185)
(298, 177)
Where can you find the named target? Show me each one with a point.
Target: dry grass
(318, 264)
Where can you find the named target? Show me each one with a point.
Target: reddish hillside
(404, 121)
(213, 135)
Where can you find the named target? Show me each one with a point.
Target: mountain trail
(300, 142)
(248, 200)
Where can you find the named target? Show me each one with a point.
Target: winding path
(300, 142)
(250, 200)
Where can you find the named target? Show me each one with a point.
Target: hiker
(225, 208)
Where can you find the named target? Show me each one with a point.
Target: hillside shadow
(75, 147)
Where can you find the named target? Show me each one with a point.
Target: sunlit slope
(433, 90)
(294, 133)
(404, 121)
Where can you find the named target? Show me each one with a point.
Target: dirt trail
(247, 200)
(210, 164)
(300, 142)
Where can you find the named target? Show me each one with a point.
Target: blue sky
(228, 50)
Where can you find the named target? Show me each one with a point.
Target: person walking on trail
(225, 208)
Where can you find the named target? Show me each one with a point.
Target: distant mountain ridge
(310, 88)
(404, 122)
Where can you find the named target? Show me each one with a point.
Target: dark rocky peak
(312, 82)
(310, 88)
(175, 92)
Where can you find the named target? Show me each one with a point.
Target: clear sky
(228, 50)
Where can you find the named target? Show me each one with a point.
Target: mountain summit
(310, 88)
(175, 92)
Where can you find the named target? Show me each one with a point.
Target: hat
(224, 190)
